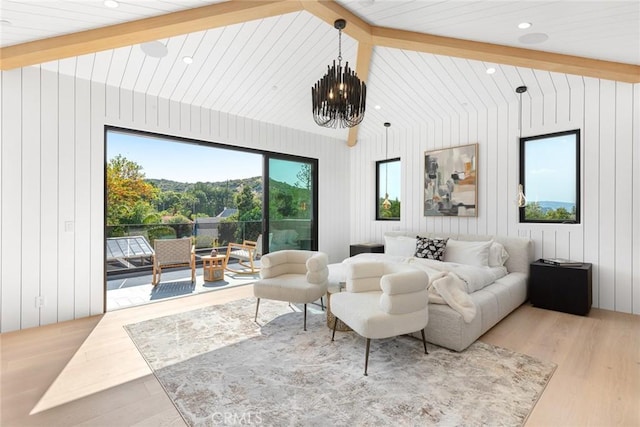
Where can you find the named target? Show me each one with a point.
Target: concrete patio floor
(131, 290)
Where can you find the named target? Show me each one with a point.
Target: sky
(550, 169)
(183, 162)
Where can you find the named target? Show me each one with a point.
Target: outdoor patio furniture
(246, 253)
(173, 253)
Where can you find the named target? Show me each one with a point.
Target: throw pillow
(467, 252)
(399, 245)
(430, 248)
(498, 255)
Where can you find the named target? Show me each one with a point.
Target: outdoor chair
(173, 253)
(246, 253)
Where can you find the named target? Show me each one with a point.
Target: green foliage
(226, 231)
(178, 219)
(393, 212)
(245, 200)
(116, 231)
(203, 242)
(161, 232)
(129, 196)
(533, 211)
(290, 202)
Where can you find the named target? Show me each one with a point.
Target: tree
(245, 200)
(533, 210)
(128, 194)
(304, 176)
(249, 213)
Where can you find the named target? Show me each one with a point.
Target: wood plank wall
(52, 183)
(608, 114)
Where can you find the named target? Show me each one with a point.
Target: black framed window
(388, 176)
(550, 177)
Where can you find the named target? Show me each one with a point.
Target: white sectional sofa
(446, 326)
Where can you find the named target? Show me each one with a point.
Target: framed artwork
(450, 181)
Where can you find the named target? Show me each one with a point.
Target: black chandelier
(339, 97)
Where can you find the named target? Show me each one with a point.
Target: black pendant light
(339, 97)
(522, 199)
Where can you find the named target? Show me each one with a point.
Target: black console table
(561, 288)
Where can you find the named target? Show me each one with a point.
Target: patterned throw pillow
(430, 248)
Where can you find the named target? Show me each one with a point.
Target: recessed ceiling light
(187, 60)
(491, 70)
(111, 3)
(377, 107)
(533, 38)
(155, 49)
(524, 25)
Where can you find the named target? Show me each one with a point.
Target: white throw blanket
(446, 287)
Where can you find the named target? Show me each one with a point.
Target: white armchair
(382, 300)
(296, 276)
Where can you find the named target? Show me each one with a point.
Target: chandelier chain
(339, 47)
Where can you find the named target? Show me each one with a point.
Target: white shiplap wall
(608, 114)
(52, 184)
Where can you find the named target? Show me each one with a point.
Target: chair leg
(335, 323)
(305, 317)
(424, 342)
(366, 357)
(255, 319)
(322, 303)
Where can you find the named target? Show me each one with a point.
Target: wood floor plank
(87, 372)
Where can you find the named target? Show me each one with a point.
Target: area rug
(220, 368)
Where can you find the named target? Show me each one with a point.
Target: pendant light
(522, 200)
(386, 204)
(339, 98)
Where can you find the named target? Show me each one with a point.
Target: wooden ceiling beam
(329, 11)
(365, 51)
(142, 30)
(507, 55)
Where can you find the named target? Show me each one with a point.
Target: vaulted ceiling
(423, 60)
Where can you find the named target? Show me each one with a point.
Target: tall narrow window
(388, 189)
(550, 177)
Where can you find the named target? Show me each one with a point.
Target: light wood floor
(87, 372)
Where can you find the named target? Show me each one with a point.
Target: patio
(132, 289)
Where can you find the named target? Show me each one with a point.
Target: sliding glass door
(291, 201)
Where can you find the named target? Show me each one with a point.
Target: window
(550, 176)
(388, 189)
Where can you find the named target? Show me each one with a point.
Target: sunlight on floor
(108, 358)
